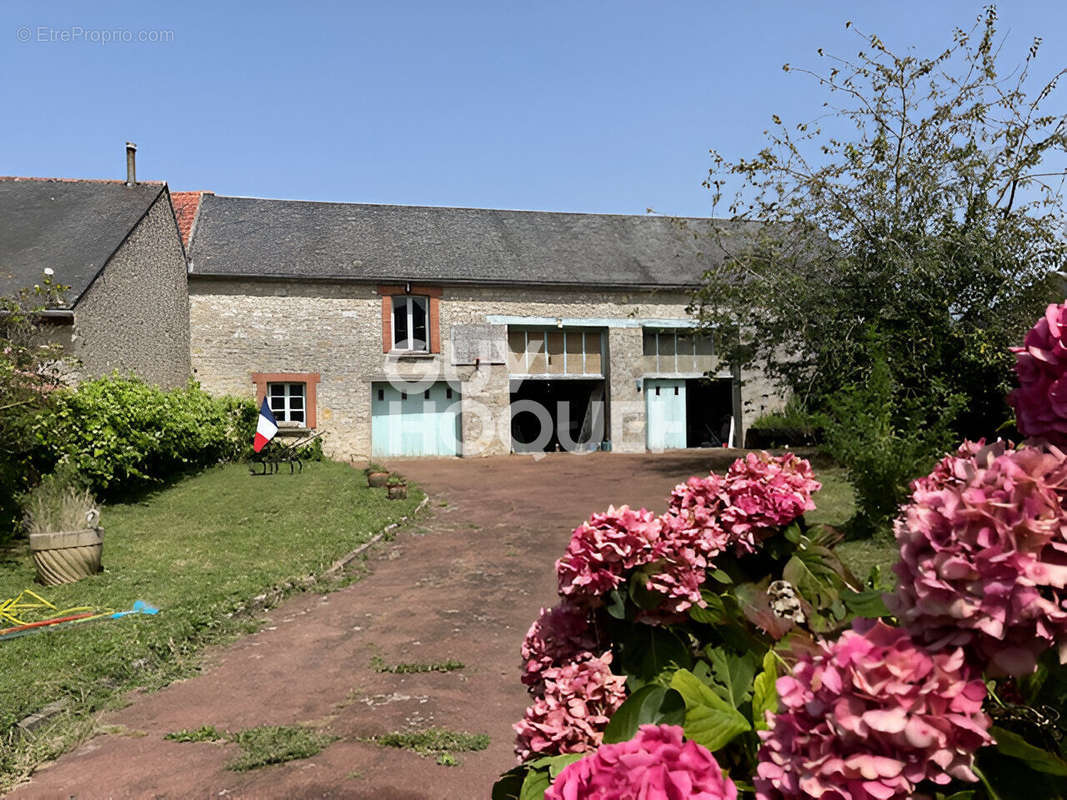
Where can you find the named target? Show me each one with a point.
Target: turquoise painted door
(414, 423)
(665, 413)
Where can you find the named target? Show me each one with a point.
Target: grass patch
(262, 745)
(199, 550)
(407, 668)
(835, 502)
(438, 743)
(205, 733)
(276, 744)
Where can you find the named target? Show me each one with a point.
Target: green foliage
(884, 440)
(408, 668)
(121, 434)
(439, 743)
(276, 744)
(205, 733)
(915, 220)
(30, 367)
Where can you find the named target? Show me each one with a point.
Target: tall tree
(918, 220)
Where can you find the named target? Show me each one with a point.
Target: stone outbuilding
(116, 246)
(404, 330)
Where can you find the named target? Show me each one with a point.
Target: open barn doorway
(563, 414)
(708, 411)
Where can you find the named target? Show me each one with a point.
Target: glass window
(410, 323)
(287, 401)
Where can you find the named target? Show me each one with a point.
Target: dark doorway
(708, 408)
(550, 415)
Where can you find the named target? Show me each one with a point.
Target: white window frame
(285, 413)
(408, 301)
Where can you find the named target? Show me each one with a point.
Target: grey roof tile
(72, 226)
(238, 236)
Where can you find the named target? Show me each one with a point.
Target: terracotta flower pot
(67, 556)
(377, 479)
(398, 491)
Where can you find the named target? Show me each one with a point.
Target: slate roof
(239, 236)
(72, 226)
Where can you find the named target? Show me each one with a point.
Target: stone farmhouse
(394, 330)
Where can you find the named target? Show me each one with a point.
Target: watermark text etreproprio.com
(47, 34)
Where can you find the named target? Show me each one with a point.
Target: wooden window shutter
(387, 323)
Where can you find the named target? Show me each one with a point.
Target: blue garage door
(414, 423)
(665, 413)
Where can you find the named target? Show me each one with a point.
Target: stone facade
(134, 318)
(241, 327)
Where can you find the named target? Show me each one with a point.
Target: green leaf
(793, 533)
(721, 576)
(509, 785)
(557, 764)
(869, 604)
(764, 693)
(733, 674)
(616, 605)
(1014, 745)
(536, 784)
(709, 720)
(650, 705)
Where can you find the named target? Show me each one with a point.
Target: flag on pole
(265, 428)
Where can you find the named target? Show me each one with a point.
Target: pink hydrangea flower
(579, 699)
(603, 550)
(759, 495)
(655, 765)
(558, 636)
(1041, 364)
(983, 558)
(952, 470)
(869, 717)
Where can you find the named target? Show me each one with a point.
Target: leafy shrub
(880, 457)
(121, 434)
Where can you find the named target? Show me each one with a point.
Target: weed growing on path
(440, 743)
(407, 668)
(262, 745)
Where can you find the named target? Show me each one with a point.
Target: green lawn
(198, 550)
(834, 505)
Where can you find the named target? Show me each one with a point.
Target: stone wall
(240, 327)
(135, 315)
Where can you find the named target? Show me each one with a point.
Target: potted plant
(377, 475)
(397, 487)
(65, 539)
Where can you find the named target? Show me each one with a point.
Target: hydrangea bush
(722, 650)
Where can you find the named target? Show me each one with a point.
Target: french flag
(265, 428)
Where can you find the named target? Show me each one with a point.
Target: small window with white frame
(288, 402)
(411, 323)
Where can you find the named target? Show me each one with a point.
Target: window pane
(705, 346)
(276, 389)
(296, 416)
(418, 323)
(648, 343)
(296, 401)
(277, 407)
(400, 322)
(666, 344)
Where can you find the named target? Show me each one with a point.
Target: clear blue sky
(589, 106)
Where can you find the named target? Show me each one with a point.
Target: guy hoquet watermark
(47, 34)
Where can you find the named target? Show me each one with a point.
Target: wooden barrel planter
(377, 480)
(67, 556)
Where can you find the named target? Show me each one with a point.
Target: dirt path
(465, 585)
